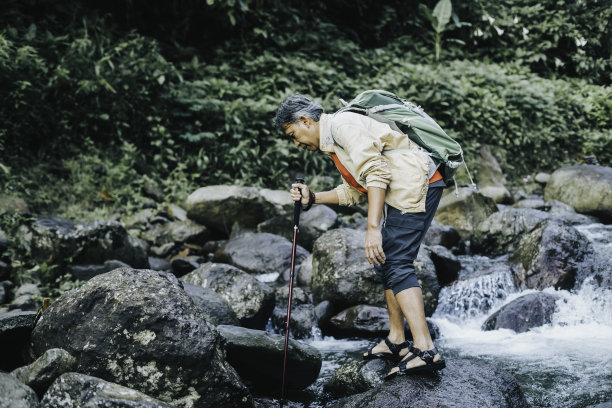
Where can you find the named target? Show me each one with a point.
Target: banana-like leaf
(442, 12)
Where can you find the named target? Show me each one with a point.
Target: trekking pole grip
(297, 206)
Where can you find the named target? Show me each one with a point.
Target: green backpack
(410, 119)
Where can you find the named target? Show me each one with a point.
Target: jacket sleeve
(365, 147)
(348, 195)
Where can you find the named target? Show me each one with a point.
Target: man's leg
(396, 325)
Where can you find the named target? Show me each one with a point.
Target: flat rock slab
(463, 383)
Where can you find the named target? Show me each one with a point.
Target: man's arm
(325, 197)
(373, 242)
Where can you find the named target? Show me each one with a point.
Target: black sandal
(395, 349)
(427, 356)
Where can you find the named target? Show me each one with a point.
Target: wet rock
(567, 213)
(340, 272)
(140, 329)
(313, 223)
(587, 188)
(360, 321)
(528, 311)
(260, 253)
(47, 368)
(251, 300)
(213, 306)
(159, 264)
(491, 180)
(15, 329)
(446, 263)
(465, 383)
(323, 312)
(263, 402)
(182, 266)
(302, 313)
(258, 357)
(357, 376)
(15, 394)
(466, 211)
(551, 255)
(501, 232)
(86, 272)
(54, 240)
(445, 235)
(304, 272)
(218, 207)
(27, 297)
(74, 390)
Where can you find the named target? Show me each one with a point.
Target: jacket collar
(326, 143)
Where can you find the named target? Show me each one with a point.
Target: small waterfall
(483, 284)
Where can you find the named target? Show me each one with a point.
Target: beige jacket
(376, 156)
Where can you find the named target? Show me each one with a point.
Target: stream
(565, 364)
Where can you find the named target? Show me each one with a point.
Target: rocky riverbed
(186, 306)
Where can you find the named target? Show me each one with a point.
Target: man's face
(304, 133)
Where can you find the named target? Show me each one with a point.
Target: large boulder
(440, 234)
(528, 311)
(75, 390)
(587, 188)
(357, 376)
(258, 356)
(463, 383)
(176, 232)
(15, 394)
(551, 255)
(251, 300)
(491, 180)
(447, 265)
(501, 232)
(260, 253)
(219, 207)
(360, 321)
(41, 373)
(140, 329)
(213, 306)
(302, 313)
(313, 223)
(15, 329)
(340, 272)
(53, 240)
(465, 211)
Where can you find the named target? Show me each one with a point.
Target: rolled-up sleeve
(348, 195)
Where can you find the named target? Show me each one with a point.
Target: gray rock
(446, 263)
(183, 265)
(533, 203)
(47, 368)
(357, 376)
(164, 250)
(463, 383)
(159, 264)
(491, 180)
(528, 311)
(551, 255)
(340, 272)
(86, 272)
(260, 253)
(251, 300)
(360, 321)
(176, 232)
(27, 297)
(140, 329)
(258, 357)
(445, 235)
(177, 212)
(139, 220)
(323, 312)
(15, 394)
(4, 293)
(313, 223)
(466, 211)
(542, 178)
(567, 213)
(75, 390)
(54, 240)
(302, 313)
(15, 329)
(304, 272)
(218, 207)
(213, 306)
(587, 188)
(501, 232)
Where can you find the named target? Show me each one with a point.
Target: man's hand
(373, 247)
(295, 193)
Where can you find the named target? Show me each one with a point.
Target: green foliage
(439, 19)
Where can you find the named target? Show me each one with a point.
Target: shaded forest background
(103, 101)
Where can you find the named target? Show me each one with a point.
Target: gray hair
(295, 106)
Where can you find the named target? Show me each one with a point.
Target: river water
(565, 364)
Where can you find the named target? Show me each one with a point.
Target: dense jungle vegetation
(103, 99)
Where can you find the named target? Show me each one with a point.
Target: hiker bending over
(396, 175)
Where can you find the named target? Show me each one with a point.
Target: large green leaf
(442, 12)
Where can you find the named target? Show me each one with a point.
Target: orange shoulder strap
(348, 177)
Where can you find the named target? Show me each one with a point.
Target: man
(393, 173)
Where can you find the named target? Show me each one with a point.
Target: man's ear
(305, 120)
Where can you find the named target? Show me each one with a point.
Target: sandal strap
(428, 355)
(397, 348)
(402, 364)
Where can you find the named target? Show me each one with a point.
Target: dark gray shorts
(402, 235)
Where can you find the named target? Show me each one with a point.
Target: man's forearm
(376, 200)
(326, 197)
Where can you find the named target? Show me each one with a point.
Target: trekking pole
(297, 207)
